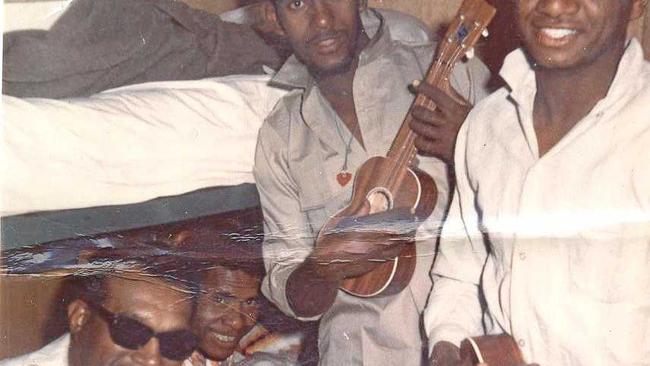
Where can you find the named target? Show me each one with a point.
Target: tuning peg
(485, 33)
(470, 53)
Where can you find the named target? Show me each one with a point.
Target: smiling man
(233, 323)
(227, 309)
(550, 228)
(348, 82)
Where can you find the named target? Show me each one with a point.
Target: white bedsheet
(130, 144)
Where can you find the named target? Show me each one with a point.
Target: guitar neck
(464, 31)
(403, 147)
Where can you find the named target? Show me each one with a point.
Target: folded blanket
(130, 144)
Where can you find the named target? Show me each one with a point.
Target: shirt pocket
(313, 192)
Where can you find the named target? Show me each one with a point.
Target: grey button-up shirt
(301, 149)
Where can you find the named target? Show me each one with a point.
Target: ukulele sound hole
(380, 200)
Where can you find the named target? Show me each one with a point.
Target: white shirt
(54, 354)
(568, 274)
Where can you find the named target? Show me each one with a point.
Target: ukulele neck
(403, 148)
(464, 31)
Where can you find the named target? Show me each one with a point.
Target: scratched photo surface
(128, 143)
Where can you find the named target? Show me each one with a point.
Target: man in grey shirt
(348, 95)
(102, 44)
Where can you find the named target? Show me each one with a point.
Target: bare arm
(308, 293)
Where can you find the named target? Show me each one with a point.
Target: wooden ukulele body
(495, 350)
(382, 184)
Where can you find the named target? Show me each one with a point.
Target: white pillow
(131, 144)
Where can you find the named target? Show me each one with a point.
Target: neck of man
(338, 84)
(337, 88)
(565, 96)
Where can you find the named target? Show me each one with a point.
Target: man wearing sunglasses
(137, 316)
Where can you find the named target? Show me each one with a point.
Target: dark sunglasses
(129, 333)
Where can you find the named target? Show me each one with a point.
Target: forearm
(308, 293)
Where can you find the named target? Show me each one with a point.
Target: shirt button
(521, 342)
(522, 255)
(600, 114)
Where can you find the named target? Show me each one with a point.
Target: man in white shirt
(548, 237)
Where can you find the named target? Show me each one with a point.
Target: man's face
(571, 33)
(324, 34)
(150, 301)
(227, 309)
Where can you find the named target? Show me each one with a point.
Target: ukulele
(494, 350)
(392, 182)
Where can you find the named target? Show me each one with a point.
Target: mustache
(322, 36)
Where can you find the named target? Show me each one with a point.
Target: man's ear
(78, 315)
(270, 22)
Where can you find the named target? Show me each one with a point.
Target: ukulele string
(406, 153)
(434, 76)
(428, 103)
(436, 80)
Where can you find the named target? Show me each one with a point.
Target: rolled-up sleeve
(454, 310)
(288, 238)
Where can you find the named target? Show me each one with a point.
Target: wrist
(308, 294)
